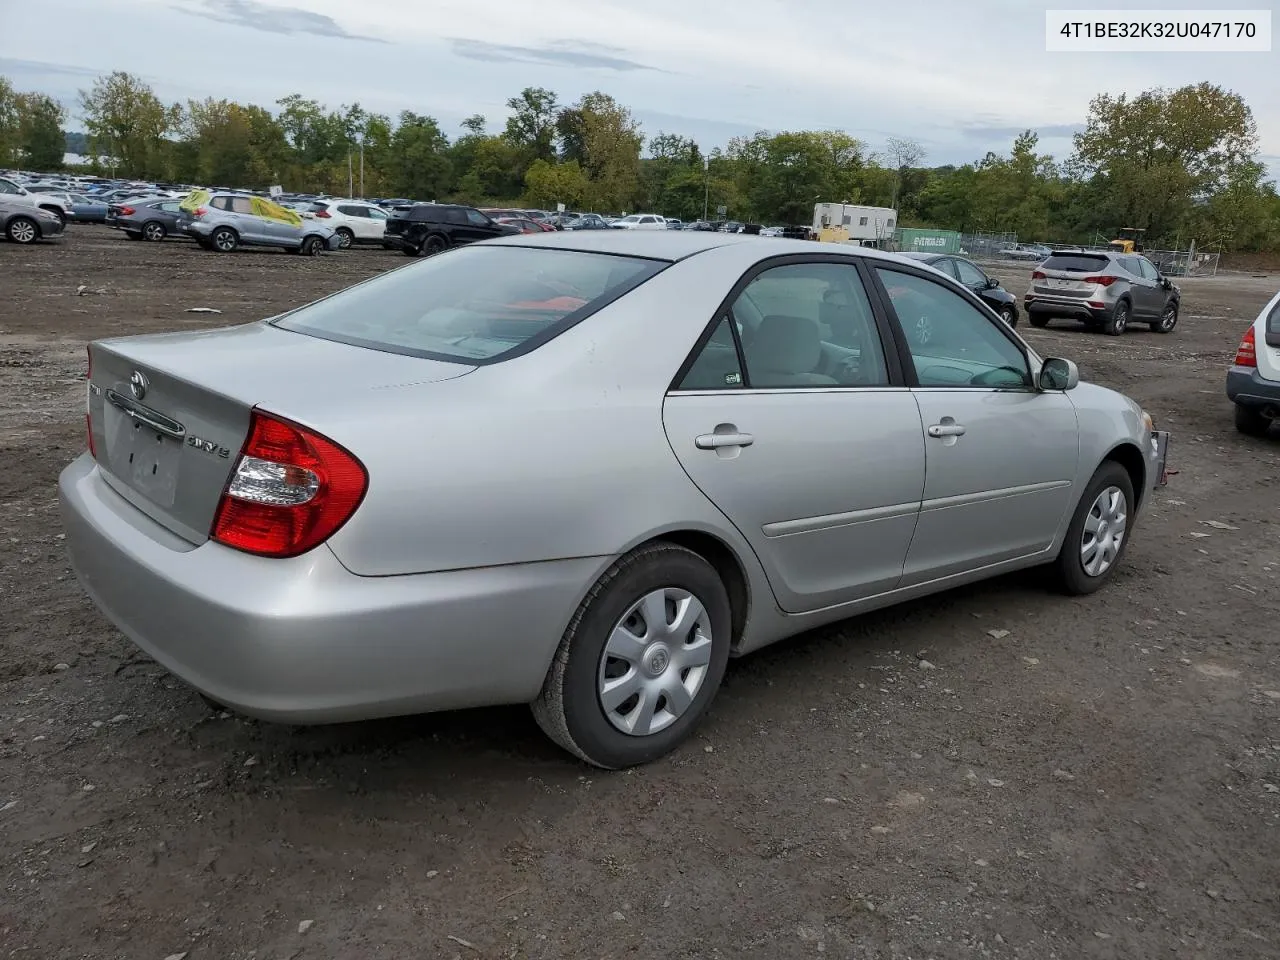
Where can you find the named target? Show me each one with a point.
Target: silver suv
(230, 220)
(1102, 290)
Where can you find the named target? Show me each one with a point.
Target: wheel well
(717, 553)
(1135, 464)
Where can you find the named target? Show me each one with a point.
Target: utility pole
(362, 168)
(350, 187)
(706, 185)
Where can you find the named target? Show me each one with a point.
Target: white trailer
(862, 223)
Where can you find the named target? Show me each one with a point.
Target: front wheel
(23, 230)
(312, 247)
(1009, 315)
(640, 661)
(1251, 422)
(1168, 319)
(1099, 532)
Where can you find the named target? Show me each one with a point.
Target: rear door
(811, 447)
(1001, 456)
(1142, 290)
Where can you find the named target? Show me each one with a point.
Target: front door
(1000, 455)
(811, 449)
(1152, 291)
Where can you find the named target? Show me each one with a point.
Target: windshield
(475, 304)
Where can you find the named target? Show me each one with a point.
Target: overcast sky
(960, 76)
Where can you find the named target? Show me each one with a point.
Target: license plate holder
(1160, 441)
(1055, 282)
(143, 457)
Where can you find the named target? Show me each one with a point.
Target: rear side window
(1273, 320)
(473, 304)
(455, 216)
(1076, 262)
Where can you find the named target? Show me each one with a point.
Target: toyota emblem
(138, 384)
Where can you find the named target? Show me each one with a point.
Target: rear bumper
(396, 241)
(1064, 307)
(305, 641)
(1246, 387)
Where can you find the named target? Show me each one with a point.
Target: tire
(154, 231)
(1118, 322)
(312, 246)
(224, 240)
(345, 238)
(1251, 422)
(1069, 569)
(570, 709)
(1038, 320)
(433, 244)
(1009, 315)
(23, 230)
(1168, 319)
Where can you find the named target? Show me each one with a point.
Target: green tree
(547, 183)
(1020, 193)
(40, 130)
(9, 134)
(531, 128)
(611, 144)
(418, 163)
(220, 136)
(127, 123)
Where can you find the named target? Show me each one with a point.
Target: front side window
(8, 186)
(472, 304)
(970, 275)
(952, 342)
(477, 219)
(1148, 269)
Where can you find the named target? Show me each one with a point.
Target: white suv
(642, 221)
(44, 201)
(1253, 381)
(354, 221)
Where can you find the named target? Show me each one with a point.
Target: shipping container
(916, 240)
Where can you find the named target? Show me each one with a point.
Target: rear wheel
(154, 231)
(1118, 322)
(1168, 319)
(640, 661)
(130, 235)
(345, 238)
(1251, 422)
(1038, 320)
(432, 245)
(23, 230)
(224, 240)
(1099, 532)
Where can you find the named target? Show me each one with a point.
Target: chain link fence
(1005, 247)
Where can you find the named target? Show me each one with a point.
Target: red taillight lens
(1037, 274)
(323, 214)
(199, 212)
(1247, 352)
(291, 490)
(1104, 281)
(127, 211)
(88, 404)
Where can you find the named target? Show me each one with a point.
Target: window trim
(964, 293)
(892, 358)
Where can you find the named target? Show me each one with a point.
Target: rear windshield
(473, 304)
(1075, 262)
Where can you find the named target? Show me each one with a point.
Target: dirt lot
(1077, 778)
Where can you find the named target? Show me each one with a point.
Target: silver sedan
(580, 470)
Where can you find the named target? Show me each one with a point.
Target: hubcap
(1104, 530)
(1122, 317)
(23, 232)
(655, 661)
(1007, 315)
(924, 330)
(224, 241)
(1169, 318)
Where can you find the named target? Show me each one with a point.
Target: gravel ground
(1084, 778)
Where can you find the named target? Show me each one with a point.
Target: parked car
(641, 221)
(226, 221)
(86, 209)
(24, 197)
(525, 224)
(425, 229)
(1026, 251)
(988, 289)
(674, 224)
(20, 222)
(152, 220)
(444, 530)
(1253, 382)
(588, 221)
(1102, 290)
(354, 221)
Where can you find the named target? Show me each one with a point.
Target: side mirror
(992, 283)
(1057, 374)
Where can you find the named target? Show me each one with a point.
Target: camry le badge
(138, 384)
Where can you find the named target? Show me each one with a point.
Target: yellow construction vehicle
(1130, 241)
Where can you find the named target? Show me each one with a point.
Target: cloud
(560, 53)
(10, 65)
(996, 131)
(272, 19)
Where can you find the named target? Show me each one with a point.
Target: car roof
(921, 255)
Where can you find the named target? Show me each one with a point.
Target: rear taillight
(1103, 281)
(88, 404)
(127, 211)
(1037, 274)
(323, 214)
(290, 491)
(199, 212)
(1247, 352)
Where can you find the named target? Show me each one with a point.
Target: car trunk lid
(1064, 275)
(169, 413)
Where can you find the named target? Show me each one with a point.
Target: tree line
(1182, 164)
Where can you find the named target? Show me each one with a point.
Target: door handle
(710, 441)
(946, 430)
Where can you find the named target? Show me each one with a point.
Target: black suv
(429, 228)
